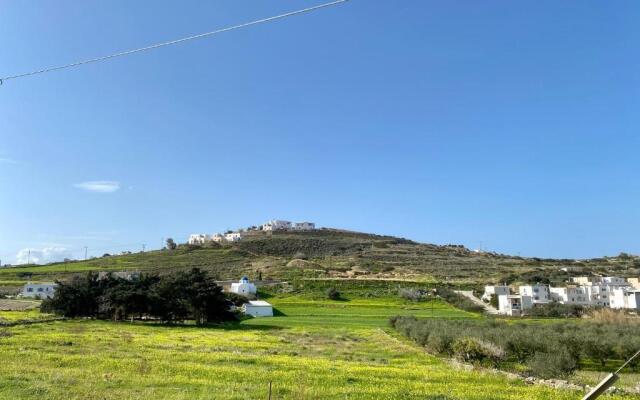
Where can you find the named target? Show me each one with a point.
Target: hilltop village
(236, 236)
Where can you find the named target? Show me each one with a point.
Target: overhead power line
(176, 41)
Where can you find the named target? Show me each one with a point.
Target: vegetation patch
(548, 350)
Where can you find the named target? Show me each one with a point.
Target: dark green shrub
(555, 364)
(333, 294)
(470, 349)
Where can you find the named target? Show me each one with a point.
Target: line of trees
(552, 349)
(169, 298)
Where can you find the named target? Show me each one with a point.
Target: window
(29, 290)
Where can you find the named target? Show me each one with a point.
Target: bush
(412, 294)
(458, 300)
(474, 350)
(333, 294)
(557, 310)
(556, 364)
(561, 345)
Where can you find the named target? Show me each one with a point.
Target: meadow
(312, 349)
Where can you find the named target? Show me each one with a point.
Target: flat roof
(259, 303)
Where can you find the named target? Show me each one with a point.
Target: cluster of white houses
(270, 226)
(609, 291)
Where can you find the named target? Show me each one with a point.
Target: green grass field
(314, 349)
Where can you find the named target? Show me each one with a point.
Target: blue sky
(512, 124)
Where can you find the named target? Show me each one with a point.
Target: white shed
(258, 308)
(39, 290)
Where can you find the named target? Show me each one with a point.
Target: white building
(494, 291)
(276, 225)
(39, 290)
(586, 280)
(258, 308)
(614, 281)
(303, 226)
(539, 293)
(625, 298)
(599, 295)
(570, 295)
(197, 239)
(218, 238)
(243, 287)
(514, 304)
(233, 236)
(635, 282)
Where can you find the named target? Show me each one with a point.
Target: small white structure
(233, 236)
(625, 298)
(258, 308)
(494, 291)
(614, 281)
(303, 226)
(635, 282)
(572, 269)
(514, 304)
(197, 239)
(39, 290)
(539, 293)
(218, 238)
(243, 287)
(276, 225)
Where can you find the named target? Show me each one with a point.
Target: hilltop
(334, 254)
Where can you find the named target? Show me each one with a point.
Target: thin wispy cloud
(99, 186)
(4, 160)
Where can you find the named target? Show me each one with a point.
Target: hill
(333, 254)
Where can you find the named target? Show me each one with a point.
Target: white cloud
(7, 161)
(99, 186)
(43, 256)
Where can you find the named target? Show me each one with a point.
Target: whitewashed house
(258, 308)
(586, 280)
(625, 299)
(614, 281)
(39, 290)
(197, 239)
(497, 290)
(539, 293)
(570, 295)
(233, 236)
(218, 238)
(243, 287)
(599, 295)
(303, 226)
(276, 225)
(514, 304)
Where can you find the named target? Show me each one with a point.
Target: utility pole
(608, 381)
(143, 246)
(161, 243)
(85, 252)
(29, 256)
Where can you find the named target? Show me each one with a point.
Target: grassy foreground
(316, 349)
